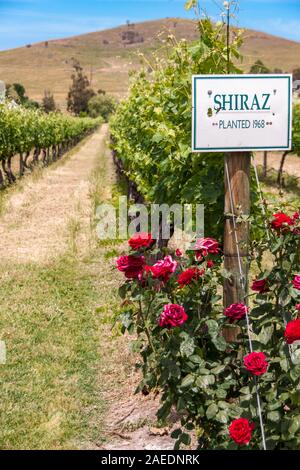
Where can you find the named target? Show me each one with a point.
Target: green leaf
(266, 334)
(213, 328)
(295, 424)
(188, 381)
(187, 347)
(205, 380)
(284, 365)
(221, 417)
(218, 369)
(295, 373)
(176, 433)
(190, 4)
(220, 343)
(211, 411)
(197, 359)
(274, 416)
(185, 439)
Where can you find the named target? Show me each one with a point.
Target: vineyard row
(37, 138)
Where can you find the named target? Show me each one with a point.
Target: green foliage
(48, 103)
(296, 130)
(17, 93)
(296, 74)
(259, 67)
(101, 105)
(201, 375)
(24, 129)
(152, 128)
(80, 92)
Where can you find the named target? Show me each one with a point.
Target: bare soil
(38, 219)
(291, 165)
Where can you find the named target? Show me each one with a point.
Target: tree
(296, 74)
(48, 102)
(101, 105)
(259, 67)
(17, 93)
(80, 92)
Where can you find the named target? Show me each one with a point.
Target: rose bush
(174, 309)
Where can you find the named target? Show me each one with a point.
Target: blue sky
(29, 21)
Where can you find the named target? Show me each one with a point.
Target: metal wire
(243, 284)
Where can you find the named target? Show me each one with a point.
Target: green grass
(49, 324)
(61, 353)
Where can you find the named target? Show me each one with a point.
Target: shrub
(151, 129)
(101, 105)
(179, 334)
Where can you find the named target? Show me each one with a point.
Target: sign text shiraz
(242, 112)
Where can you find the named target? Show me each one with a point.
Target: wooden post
(238, 164)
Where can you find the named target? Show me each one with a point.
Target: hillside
(108, 56)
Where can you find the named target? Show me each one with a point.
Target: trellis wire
(243, 284)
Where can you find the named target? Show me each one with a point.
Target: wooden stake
(238, 164)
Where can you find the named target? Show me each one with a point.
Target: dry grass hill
(108, 56)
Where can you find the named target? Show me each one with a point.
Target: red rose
(281, 221)
(210, 264)
(236, 312)
(292, 331)
(296, 216)
(164, 268)
(260, 286)
(240, 431)
(140, 240)
(178, 253)
(256, 362)
(204, 246)
(298, 307)
(131, 266)
(172, 316)
(190, 274)
(296, 282)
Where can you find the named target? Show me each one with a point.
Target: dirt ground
(291, 165)
(38, 219)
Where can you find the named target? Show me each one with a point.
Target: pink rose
(131, 266)
(292, 331)
(260, 286)
(296, 282)
(204, 246)
(240, 431)
(172, 316)
(164, 268)
(236, 312)
(256, 363)
(298, 307)
(281, 221)
(191, 274)
(140, 241)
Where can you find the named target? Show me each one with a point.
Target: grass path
(69, 379)
(57, 298)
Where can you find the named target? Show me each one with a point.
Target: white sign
(242, 112)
